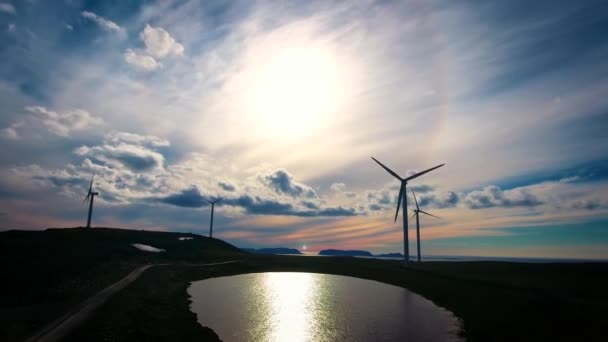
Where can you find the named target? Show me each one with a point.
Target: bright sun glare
(296, 91)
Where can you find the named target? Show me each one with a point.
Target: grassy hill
(44, 273)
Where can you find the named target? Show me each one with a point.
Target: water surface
(285, 306)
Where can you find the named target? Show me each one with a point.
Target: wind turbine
(212, 208)
(403, 194)
(417, 212)
(90, 197)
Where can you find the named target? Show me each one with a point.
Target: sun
(297, 91)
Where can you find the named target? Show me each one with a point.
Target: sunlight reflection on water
(285, 306)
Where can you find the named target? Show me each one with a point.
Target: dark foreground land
(46, 273)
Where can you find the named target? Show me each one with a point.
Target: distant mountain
(279, 250)
(338, 252)
(390, 255)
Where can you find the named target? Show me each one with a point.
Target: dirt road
(62, 326)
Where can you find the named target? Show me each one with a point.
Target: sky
(277, 106)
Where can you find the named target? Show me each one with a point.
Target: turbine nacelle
(404, 182)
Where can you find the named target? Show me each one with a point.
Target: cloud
(104, 23)
(441, 201)
(310, 205)
(137, 139)
(159, 42)
(252, 204)
(58, 123)
(374, 207)
(132, 153)
(7, 8)
(226, 186)
(493, 196)
(142, 62)
(11, 132)
(587, 204)
(189, 198)
(338, 187)
(283, 183)
(422, 188)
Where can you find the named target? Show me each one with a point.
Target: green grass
(45, 273)
(48, 272)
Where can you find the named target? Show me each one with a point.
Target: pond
(286, 306)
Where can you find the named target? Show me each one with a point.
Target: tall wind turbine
(417, 212)
(403, 194)
(212, 208)
(90, 197)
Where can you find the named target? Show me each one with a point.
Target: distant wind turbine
(90, 197)
(417, 212)
(212, 208)
(403, 194)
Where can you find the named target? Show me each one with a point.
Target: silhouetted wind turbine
(212, 208)
(90, 197)
(417, 212)
(403, 194)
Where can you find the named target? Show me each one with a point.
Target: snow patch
(147, 248)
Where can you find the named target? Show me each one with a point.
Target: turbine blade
(415, 200)
(86, 198)
(424, 212)
(388, 170)
(416, 175)
(91, 185)
(413, 216)
(399, 202)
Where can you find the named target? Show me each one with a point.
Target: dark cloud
(422, 188)
(65, 181)
(587, 204)
(436, 201)
(136, 162)
(258, 205)
(282, 182)
(189, 198)
(310, 205)
(226, 186)
(255, 205)
(335, 211)
(374, 207)
(493, 196)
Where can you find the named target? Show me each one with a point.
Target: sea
(461, 258)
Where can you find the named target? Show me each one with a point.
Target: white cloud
(58, 123)
(138, 139)
(104, 23)
(142, 62)
(126, 150)
(338, 187)
(7, 8)
(159, 42)
(11, 131)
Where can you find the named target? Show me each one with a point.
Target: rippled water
(283, 306)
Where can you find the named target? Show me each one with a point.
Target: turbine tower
(417, 212)
(90, 197)
(403, 194)
(212, 208)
